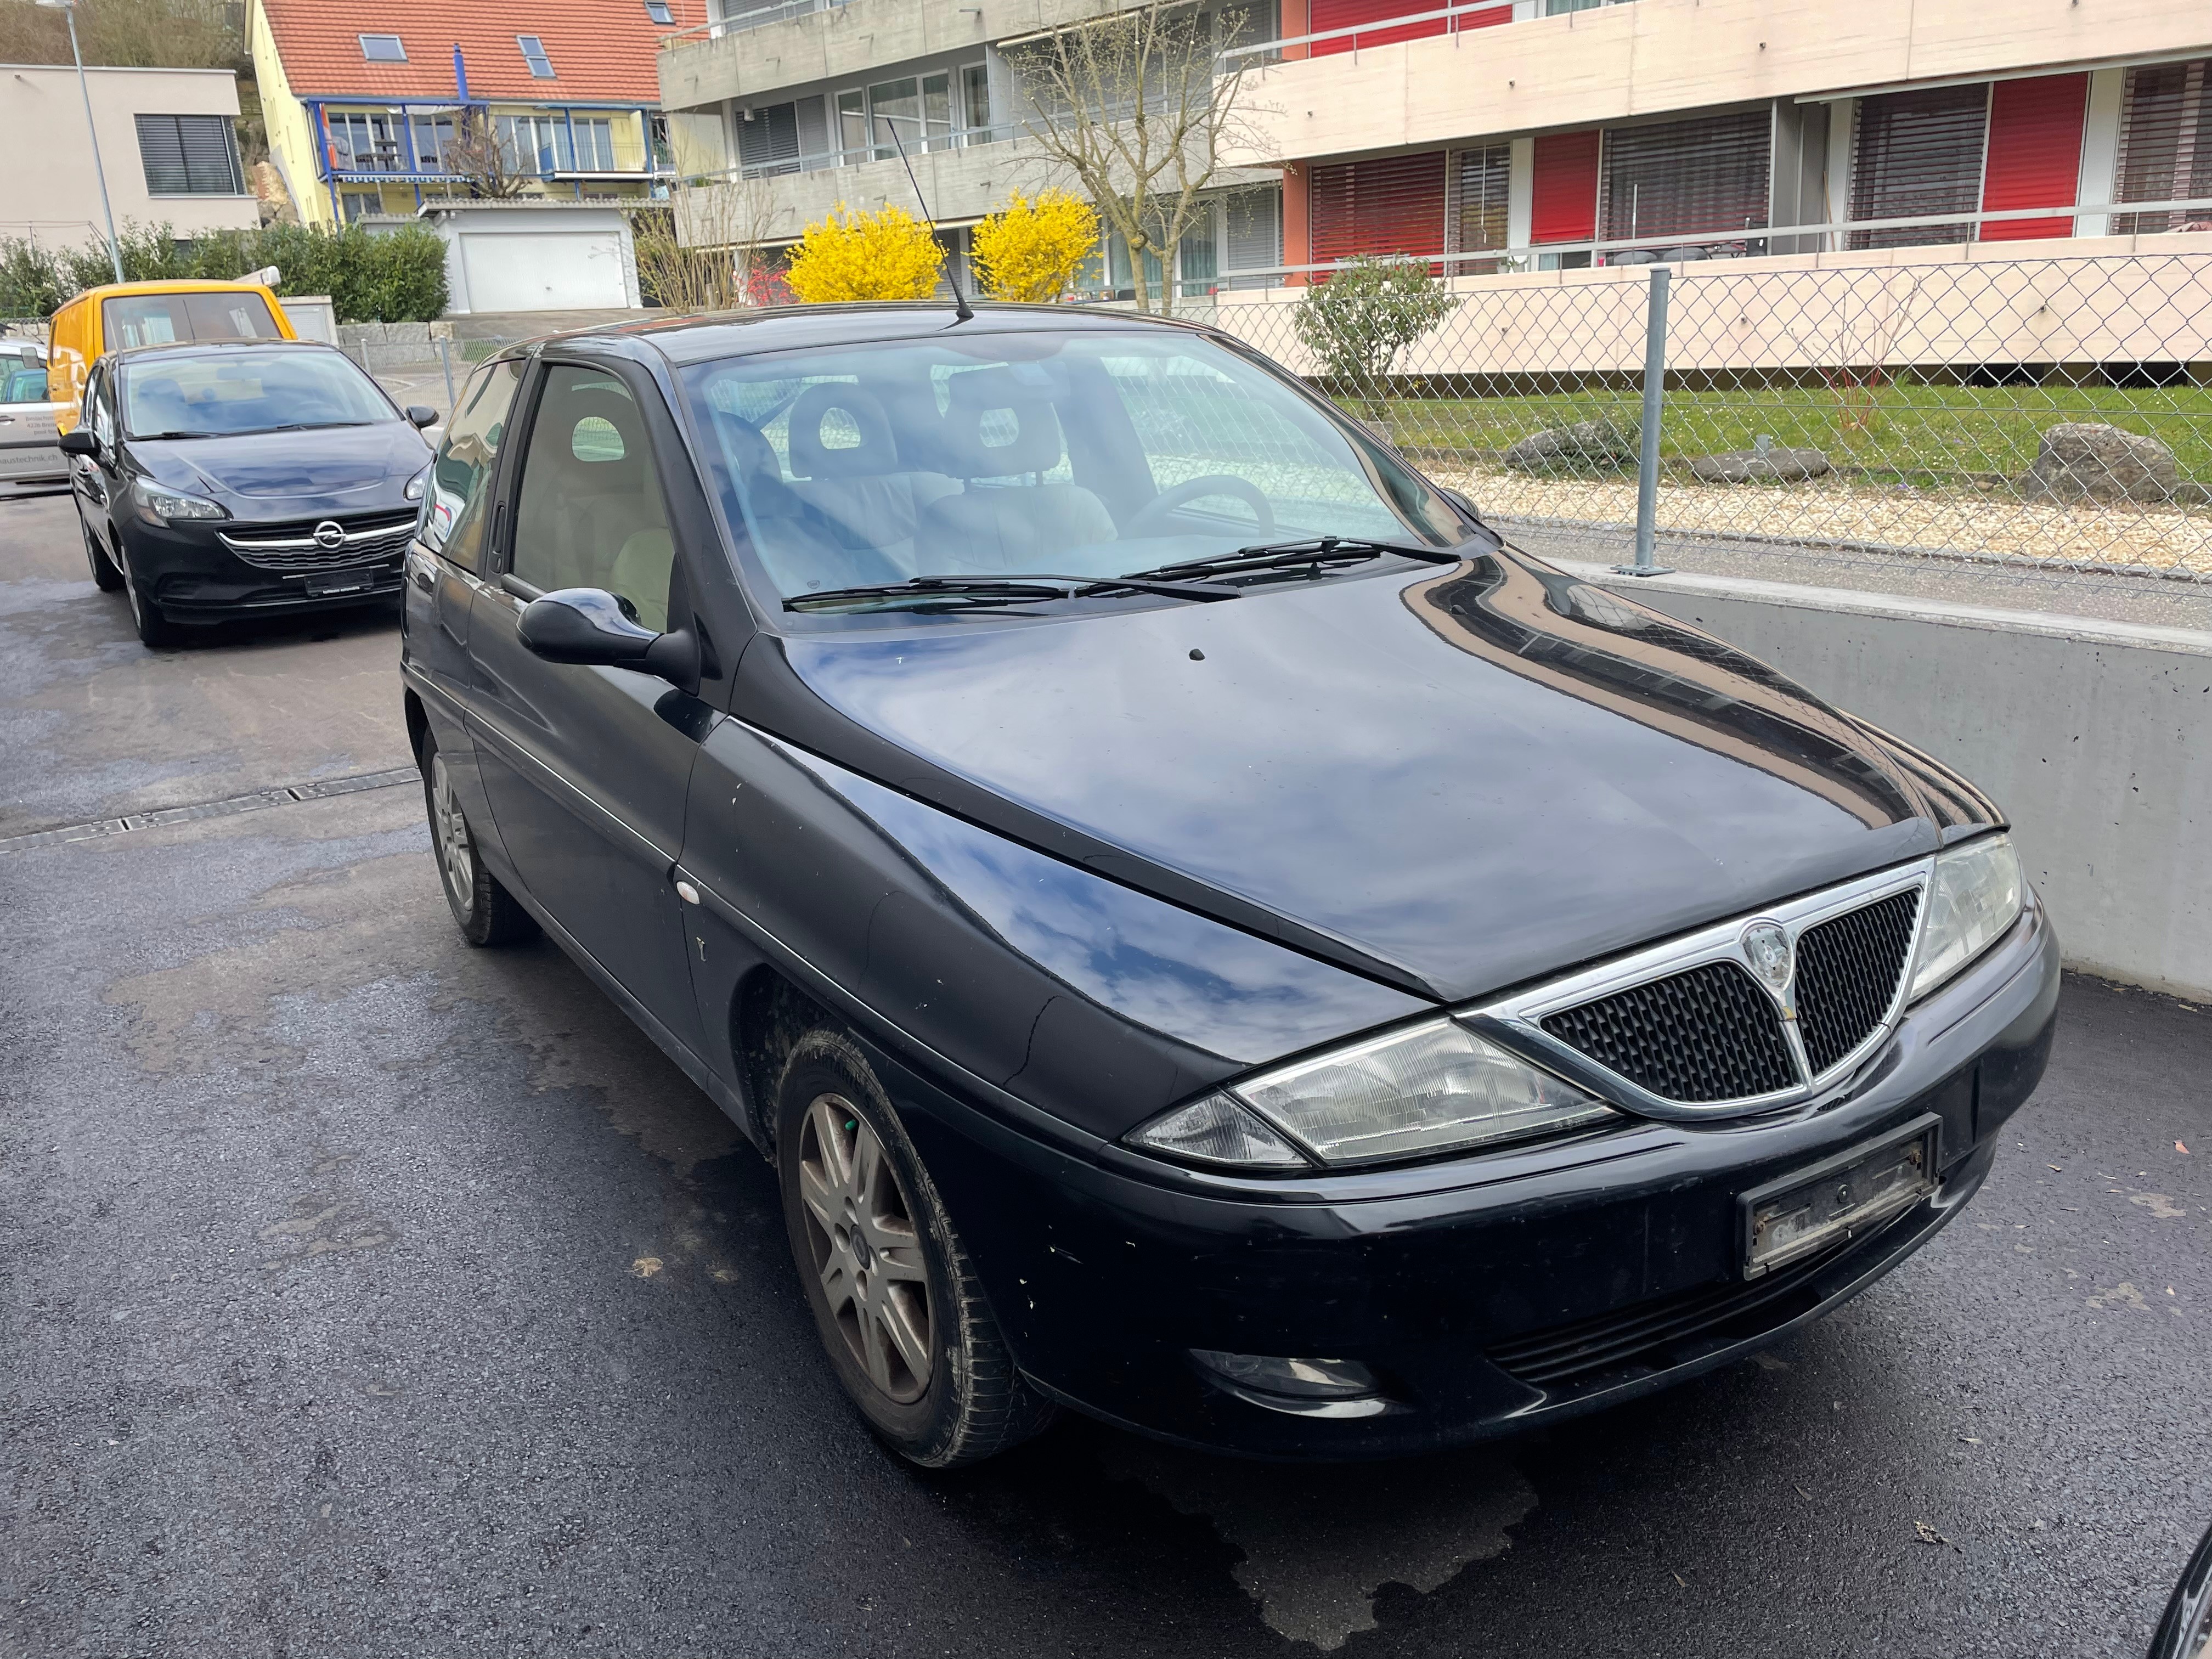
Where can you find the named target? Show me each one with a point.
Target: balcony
(964, 178)
(1616, 61)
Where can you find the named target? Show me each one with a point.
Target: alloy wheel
(449, 835)
(861, 1230)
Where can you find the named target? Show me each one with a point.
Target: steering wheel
(1149, 519)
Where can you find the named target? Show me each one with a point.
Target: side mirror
(588, 625)
(79, 441)
(422, 415)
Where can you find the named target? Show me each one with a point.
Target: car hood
(1454, 782)
(329, 469)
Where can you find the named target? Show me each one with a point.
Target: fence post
(446, 357)
(1655, 393)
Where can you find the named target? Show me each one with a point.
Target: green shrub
(389, 277)
(1370, 308)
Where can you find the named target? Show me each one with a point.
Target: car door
(446, 564)
(585, 768)
(28, 459)
(94, 478)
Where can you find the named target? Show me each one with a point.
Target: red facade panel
(2034, 153)
(1565, 204)
(1322, 15)
(1395, 204)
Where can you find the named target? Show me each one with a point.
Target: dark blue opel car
(1207, 935)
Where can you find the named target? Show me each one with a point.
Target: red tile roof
(603, 51)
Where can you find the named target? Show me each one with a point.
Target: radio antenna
(961, 310)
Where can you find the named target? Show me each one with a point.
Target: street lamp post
(67, 9)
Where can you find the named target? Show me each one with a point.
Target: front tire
(105, 576)
(155, 631)
(898, 1304)
(485, 911)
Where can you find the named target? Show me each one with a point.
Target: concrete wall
(961, 185)
(2095, 737)
(1657, 56)
(52, 191)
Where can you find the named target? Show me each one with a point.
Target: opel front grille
(1701, 1026)
(294, 548)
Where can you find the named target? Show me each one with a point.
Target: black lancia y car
(227, 479)
(1207, 935)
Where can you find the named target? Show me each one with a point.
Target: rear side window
(164, 319)
(458, 506)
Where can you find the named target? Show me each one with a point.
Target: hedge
(385, 276)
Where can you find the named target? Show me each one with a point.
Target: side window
(458, 504)
(590, 514)
(100, 405)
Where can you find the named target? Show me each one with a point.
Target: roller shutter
(1564, 207)
(1919, 153)
(1481, 183)
(189, 155)
(2165, 145)
(2035, 154)
(1395, 204)
(1701, 181)
(1322, 15)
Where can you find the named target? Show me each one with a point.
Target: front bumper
(193, 578)
(1486, 1293)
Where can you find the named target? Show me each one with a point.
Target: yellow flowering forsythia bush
(1031, 248)
(887, 255)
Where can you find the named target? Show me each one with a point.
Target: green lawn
(1909, 432)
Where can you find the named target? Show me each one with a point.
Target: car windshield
(224, 394)
(1093, 453)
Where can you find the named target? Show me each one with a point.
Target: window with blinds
(2165, 146)
(1392, 204)
(1481, 183)
(1917, 154)
(189, 155)
(1252, 235)
(1703, 182)
(1324, 17)
(768, 139)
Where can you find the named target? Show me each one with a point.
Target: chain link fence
(2051, 411)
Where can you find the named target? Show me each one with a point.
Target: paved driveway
(363, 1294)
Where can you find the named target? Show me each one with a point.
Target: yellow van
(123, 314)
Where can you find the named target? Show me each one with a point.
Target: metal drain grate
(228, 806)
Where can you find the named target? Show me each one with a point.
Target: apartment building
(817, 99)
(364, 103)
(1531, 135)
(167, 150)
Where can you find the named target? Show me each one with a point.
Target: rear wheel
(901, 1311)
(484, 910)
(105, 575)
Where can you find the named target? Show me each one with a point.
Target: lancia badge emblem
(1766, 948)
(330, 533)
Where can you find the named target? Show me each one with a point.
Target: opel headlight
(1977, 894)
(1436, 1088)
(165, 506)
(417, 485)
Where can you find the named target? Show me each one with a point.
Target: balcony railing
(1388, 31)
(821, 161)
(752, 17)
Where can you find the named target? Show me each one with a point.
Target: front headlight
(164, 506)
(1976, 894)
(416, 485)
(1436, 1088)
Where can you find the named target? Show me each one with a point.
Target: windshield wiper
(1010, 590)
(1287, 556)
(169, 437)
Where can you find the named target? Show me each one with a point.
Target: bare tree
(1132, 105)
(705, 249)
(476, 157)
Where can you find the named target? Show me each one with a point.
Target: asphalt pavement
(361, 1293)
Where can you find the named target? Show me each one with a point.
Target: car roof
(704, 337)
(167, 285)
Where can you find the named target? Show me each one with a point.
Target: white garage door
(543, 271)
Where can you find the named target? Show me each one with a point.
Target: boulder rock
(2086, 458)
(1583, 445)
(1764, 466)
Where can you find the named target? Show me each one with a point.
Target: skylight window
(658, 11)
(382, 48)
(533, 53)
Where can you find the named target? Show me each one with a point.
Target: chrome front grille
(293, 549)
(1705, 1024)
(1709, 1034)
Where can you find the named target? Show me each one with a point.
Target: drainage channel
(229, 806)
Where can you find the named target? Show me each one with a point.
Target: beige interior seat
(1000, 430)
